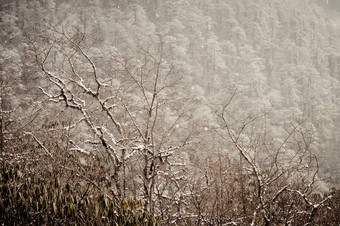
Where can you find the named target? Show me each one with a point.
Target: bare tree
(5, 110)
(280, 169)
(126, 112)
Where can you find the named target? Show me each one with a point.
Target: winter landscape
(170, 112)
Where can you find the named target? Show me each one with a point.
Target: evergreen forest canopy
(170, 112)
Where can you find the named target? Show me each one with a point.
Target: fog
(183, 104)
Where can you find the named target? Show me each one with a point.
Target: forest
(169, 112)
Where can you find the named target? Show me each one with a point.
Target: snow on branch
(40, 143)
(77, 148)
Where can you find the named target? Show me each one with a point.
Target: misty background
(282, 56)
(161, 91)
